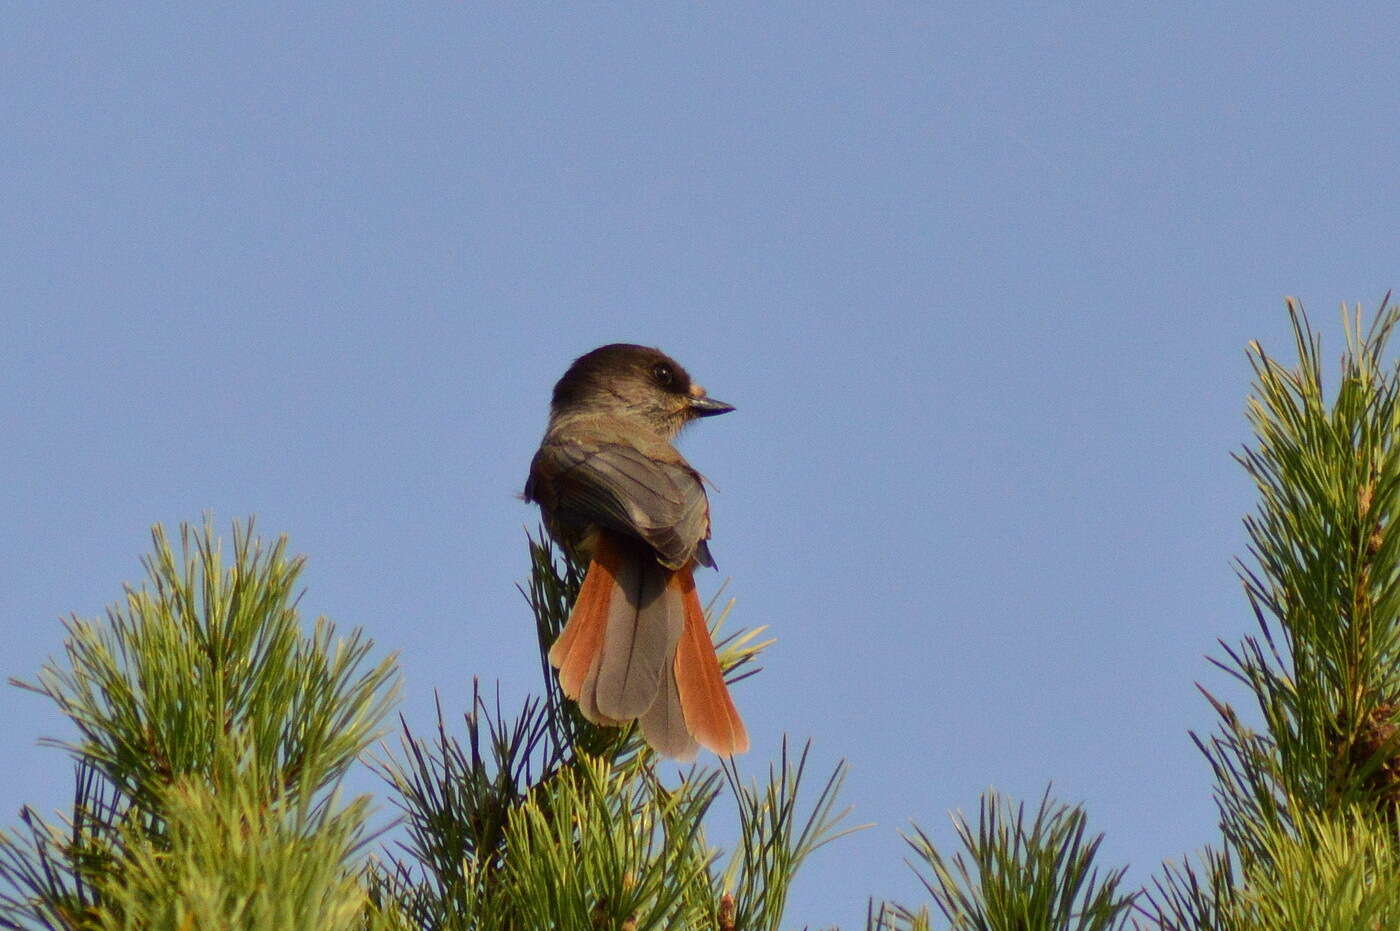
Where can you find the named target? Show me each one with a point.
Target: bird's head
(625, 380)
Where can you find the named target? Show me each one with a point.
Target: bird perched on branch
(615, 493)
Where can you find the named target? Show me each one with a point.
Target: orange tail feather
(581, 640)
(710, 715)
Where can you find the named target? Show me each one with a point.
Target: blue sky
(978, 278)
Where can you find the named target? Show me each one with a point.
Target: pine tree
(1308, 799)
(214, 730)
(213, 733)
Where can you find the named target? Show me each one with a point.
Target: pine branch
(549, 820)
(212, 736)
(1305, 801)
(773, 842)
(1014, 875)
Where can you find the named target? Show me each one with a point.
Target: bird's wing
(659, 500)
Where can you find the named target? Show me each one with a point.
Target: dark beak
(708, 407)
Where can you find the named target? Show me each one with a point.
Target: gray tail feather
(588, 697)
(645, 619)
(664, 723)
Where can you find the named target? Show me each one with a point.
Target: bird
(615, 493)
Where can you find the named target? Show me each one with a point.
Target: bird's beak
(708, 407)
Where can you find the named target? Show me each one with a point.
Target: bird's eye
(663, 374)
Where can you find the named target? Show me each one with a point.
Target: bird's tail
(636, 647)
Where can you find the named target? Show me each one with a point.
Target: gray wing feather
(620, 487)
